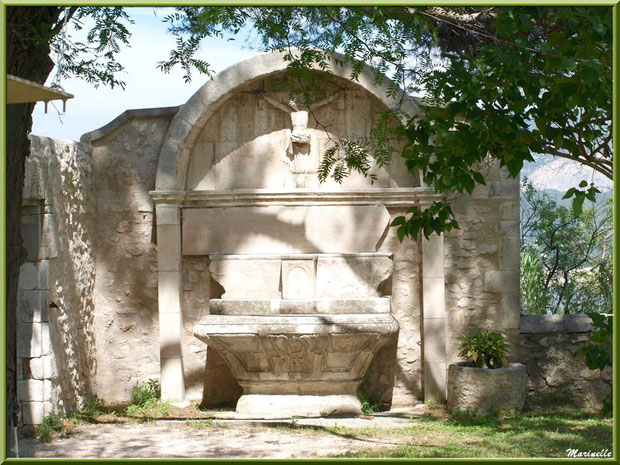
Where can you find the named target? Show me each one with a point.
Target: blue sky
(146, 85)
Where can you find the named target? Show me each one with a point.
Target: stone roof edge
(126, 116)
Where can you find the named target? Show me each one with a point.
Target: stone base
(287, 406)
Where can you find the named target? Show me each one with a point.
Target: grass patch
(51, 424)
(200, 424)
(467, 434)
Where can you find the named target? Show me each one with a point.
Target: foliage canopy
(499, 84)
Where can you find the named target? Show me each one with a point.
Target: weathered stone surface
(298, 278)
(31, 305)
(542, 323)
(351, 276)
(305, 306)
(577, 323)
(278, 229)
(554, 374)
(486, 389)
(292, 355)
(285, 406)
(248, 278)
(501, 281)
(30, 390)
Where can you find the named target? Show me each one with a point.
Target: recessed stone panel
(348, 277)
(298, 278)
(280, 229)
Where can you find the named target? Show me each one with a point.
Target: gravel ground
(220, 439)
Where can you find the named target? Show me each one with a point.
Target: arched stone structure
(172, 197)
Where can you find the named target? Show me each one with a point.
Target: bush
(485, 349)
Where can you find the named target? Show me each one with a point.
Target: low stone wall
(554, 375)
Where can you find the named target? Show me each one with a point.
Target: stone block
(510, 210)
(351, 276)
(31, 229)
(48, 389)
(28, 276)
(32, 413)
(43, 266)
(433, 256)
(168, 247)
(46, 339)
(298, 278)
(169, 291)
(511, 310)
(36, 368)
(30, 390)
(168, 215)
(434, 298)
(247, 277)
(31, 305)
(542, 323)
(577, 323)
(172, 380)
(28, 340)
(509, 255)
(504, 189)
(170, 335)
(281, 229)
(434, 340)
(435, 383)
(49, 366)
(501, 281)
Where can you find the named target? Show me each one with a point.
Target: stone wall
(482, 262)
(125, 155)
(554, 374)
(55, 349)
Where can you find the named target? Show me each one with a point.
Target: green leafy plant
(93, 406)
(363, 394)
(164, 409)
(485, 348)
(566, 256)
(147, 394)
(51, 423)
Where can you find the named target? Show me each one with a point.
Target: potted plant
(487, 381)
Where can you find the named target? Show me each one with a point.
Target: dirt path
(163, 439)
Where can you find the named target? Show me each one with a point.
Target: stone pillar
(434, 317)
(169, 266)
(34, 352)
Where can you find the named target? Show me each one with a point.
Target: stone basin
(292, 364)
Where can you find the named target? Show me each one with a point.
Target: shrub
(485, 349)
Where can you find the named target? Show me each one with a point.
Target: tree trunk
(26, 57)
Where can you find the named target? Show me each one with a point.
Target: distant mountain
(551, 173)
(554, 176)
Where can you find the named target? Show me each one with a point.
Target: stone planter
(485, 389)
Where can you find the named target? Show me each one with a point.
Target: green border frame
(616, 198)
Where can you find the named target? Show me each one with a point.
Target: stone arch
(187, 124)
